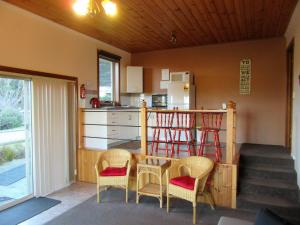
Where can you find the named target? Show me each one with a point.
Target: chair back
(164, 119)
(211, 120)
(115, 158)
(198, 166)
(185, 119)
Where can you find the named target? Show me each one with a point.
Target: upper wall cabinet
(134, 79)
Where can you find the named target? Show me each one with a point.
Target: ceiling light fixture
(110, 7)
(91, 7)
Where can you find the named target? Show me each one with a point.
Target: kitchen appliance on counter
(160, 101)
(95, 102)
(181, 91)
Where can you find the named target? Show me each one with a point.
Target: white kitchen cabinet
(105, 129)
(134, 79)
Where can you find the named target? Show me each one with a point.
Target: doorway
(289, 94)
(16, 179)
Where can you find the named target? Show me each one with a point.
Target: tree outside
(11, 103)
(105, 80)
(11, 118)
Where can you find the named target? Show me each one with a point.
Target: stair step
(267, 179)
(253, 213)
(282, 160)
(271, 183)
(273, 187)
(266, 154)
(281, 206)
(259, 148)
(268, 172)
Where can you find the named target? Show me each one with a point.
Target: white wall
(29, 41)
(293, 31)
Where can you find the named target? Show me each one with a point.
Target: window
(109, 81)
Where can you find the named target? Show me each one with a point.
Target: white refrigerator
(181, 95)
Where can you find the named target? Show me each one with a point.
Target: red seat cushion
(186, 182)
(114, 171)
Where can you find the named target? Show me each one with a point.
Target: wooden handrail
(190, 110)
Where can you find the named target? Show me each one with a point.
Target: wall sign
(245, 76)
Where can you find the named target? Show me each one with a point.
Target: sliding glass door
(16, 180)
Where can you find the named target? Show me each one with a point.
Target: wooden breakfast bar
(223, 181)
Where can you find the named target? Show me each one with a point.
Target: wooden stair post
(144, 130)
(231, 132)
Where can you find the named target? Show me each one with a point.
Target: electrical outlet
(294, 95)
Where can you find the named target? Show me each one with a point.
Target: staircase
(267, 179)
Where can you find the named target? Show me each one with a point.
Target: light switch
(294, 95)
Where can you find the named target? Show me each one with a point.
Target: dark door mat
(12, 176)
(26, 210)
(3, 199)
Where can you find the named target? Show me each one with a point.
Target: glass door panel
(16, 183)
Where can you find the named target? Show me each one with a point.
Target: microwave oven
(185, 77)
(160, 101)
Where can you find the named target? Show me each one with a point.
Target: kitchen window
(108, 77)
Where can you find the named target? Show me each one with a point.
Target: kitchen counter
(107, 127)
(113, 108)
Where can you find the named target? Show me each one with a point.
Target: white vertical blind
(50, 135)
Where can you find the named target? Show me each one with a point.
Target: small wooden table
(157, 168)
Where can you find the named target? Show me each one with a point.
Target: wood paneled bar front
(223, 186)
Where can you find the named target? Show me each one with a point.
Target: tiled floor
(70, 197)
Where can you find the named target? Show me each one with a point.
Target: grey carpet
(12, 176)
(26, 210)
(267, 179)
(114, 211)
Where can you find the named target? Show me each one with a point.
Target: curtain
(50, 135)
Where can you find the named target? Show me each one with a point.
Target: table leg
(160, 191)
(137, 189)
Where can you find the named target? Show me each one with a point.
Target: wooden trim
(119, 85)
(289, 93)
(109, 56)
(36, 73)
(234, 186)
(98, 77)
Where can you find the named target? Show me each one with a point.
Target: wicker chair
(187, 178)
(112, 169)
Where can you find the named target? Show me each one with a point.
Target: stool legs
(156, 140)
(153, 141)
(217, 146)
(202, 143)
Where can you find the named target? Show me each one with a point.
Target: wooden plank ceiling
(145, 25)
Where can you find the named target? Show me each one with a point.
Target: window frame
(116, 60)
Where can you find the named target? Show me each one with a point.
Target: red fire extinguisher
(82, 91)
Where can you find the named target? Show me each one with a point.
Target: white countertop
(112, 109)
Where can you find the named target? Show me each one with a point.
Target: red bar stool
(164, 122)
(185, 122)
(210, 123)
